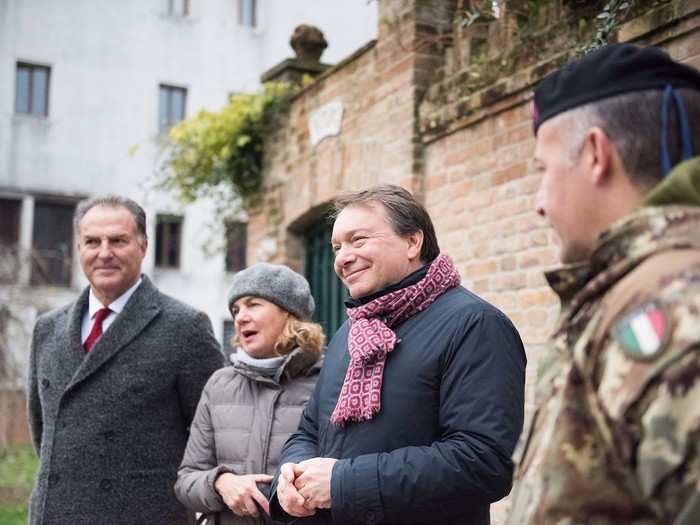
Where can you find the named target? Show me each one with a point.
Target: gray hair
(406, 215)
(112, 201)
(632, 122)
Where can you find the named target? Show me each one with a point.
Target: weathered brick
(537, 316)
(508, 263)
(544, 257)
(536, 278)
(433, 182)
(481, 286)
(481, 268)
(536, 297)
(538, 238)
(509, 173)
(475, 173)
(510, 281)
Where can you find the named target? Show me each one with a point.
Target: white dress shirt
(94, 304)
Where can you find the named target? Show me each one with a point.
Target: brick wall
(444, 111)
(379, 87)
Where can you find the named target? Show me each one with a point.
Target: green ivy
(607, 23)
(215, 153)
(481, 11)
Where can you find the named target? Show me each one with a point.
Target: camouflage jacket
(616, 434)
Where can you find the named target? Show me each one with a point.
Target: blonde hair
(296, 333)
(303, 334)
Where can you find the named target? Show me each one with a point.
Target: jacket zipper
(268, 434)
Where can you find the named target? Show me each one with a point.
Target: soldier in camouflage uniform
(615, 438)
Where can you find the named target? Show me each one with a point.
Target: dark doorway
(329, 293)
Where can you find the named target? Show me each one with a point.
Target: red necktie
(96, 331)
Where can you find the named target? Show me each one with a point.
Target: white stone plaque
(326, 121)
(266, 249)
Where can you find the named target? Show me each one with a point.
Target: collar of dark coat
(297, 363)
(143, 306)
(409, 280)
(622, 247)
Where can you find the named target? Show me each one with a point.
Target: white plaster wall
(107, 60)
(342, 22)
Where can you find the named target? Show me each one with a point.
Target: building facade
(88, 92)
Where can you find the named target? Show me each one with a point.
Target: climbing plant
(606, 23)
(214, 154)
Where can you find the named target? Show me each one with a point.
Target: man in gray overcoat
(114, 380)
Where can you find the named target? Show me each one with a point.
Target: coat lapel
(69, 348)
(140, 310)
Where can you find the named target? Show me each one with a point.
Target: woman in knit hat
(247, 410)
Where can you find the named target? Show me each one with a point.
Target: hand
(290, 500)
(240, 493)
(313, 482)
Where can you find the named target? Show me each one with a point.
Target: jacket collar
(622, 247)
(296, 363)
(681, 186)
(409, 280)
(94, 304)
(143, 306)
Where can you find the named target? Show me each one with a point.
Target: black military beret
(606, 72)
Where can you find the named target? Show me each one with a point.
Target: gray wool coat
(110, 427)
(242, 421)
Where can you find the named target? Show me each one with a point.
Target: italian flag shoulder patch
(643, 333)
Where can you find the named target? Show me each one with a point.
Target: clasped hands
(304, 487)
(241, 493)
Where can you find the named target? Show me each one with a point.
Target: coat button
(45, 383)
(109, 435)
(105, 484)
(54, 479)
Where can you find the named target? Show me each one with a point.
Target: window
(246, 13)
(179, 7)
(9, 239)
(227, 344)
(52, 243)
(168, 240)
(32, 89)
(236, 240)
(171, 107)
(9, 221)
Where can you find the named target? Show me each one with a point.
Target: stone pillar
(25, 240)
(308, 43)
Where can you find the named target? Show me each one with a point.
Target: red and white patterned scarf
(371, 339)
